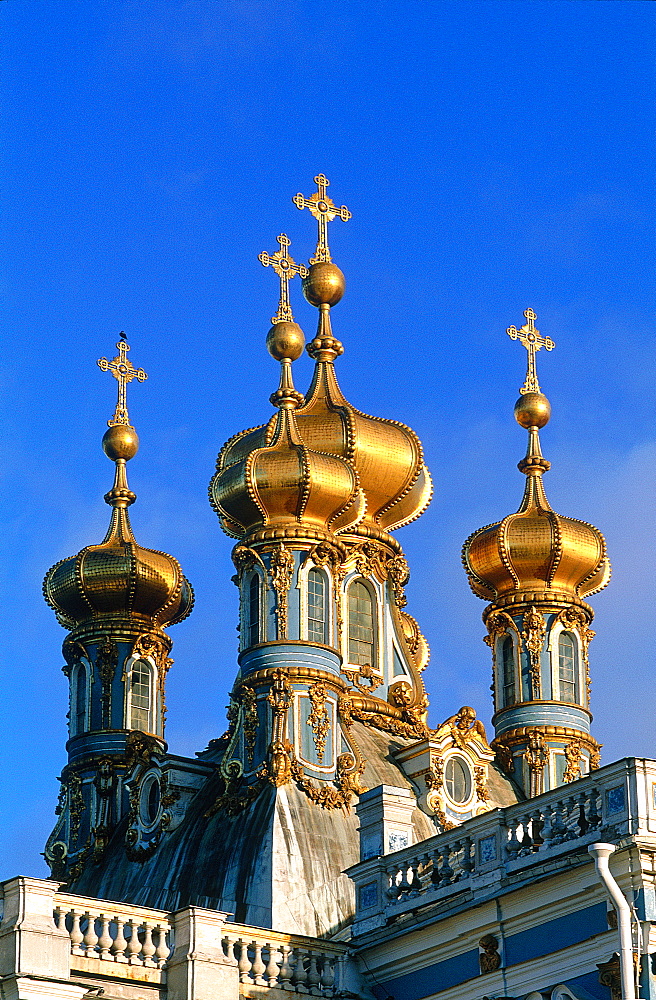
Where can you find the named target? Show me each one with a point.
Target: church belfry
(536, 568)
(115, 599)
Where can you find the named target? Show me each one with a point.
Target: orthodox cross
(324, 211)
(123, 371)
(532, 341)
(285, 268)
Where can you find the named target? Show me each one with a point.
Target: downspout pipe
(601, 853)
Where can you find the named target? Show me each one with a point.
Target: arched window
(567, 666)
(79, 714)
(140, 696)
(253, 617)
(360, 625)
(508, 670)
(317, 618)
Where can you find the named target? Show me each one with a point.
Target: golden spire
(286, 269)
(123, 371)
(532, 341)
(324, 211)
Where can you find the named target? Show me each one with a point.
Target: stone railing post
(198, 968)
(32, 947)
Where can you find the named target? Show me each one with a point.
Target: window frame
(374, 620)
(151, 667)
(81, 668)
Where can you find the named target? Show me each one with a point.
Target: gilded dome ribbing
(119, 578)
(535, 552)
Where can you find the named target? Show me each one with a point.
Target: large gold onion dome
(119, 579)
(535, 553)
(278, 487)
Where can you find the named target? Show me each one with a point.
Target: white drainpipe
(601, 853)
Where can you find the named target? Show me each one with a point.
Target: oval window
(150, 797)
(458, 780)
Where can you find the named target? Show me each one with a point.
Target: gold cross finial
(324, 211)
(123, 371)
(532, 341)
(285, 268)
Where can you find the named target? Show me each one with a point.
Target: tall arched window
(317, 618)
(253, 617)
(360, 625)
(567, 666)
(508, 669)
(140, 696)
(79, 714)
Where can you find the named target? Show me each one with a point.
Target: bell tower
(536, 568)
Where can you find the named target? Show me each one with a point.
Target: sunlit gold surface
(285, 268)
(324, 284)
(324, 211)
(119, 578)
(535, 551)
(530, 337)
(285, 340)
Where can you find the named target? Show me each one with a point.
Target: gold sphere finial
(532, 409)
(120, 441)
(324, 285)
(285, 341)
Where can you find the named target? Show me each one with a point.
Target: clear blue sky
(494, 154)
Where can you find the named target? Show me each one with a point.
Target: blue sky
(494, 154)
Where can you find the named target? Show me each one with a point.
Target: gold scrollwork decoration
(72, 652)
(533, 634)
(106, 662)
(480, 780)
(280, 750)
(536, 756)
(573, 755)
(249, 708)
(575, 618)
(281, 569)
(318, 718)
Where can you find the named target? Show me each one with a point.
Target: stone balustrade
(612, 802)
(302, 965)
(112, 932)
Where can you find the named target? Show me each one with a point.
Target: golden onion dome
(118, 578)
(536, 552)
(386, 455)
(269, 480)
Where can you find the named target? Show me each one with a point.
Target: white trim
(460, 807)
(378, 666)
(329, 601)
(579, 677)
(82, 664)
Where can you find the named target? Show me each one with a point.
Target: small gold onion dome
(386, 455)
(280, 482)
(535, 552)
(118, 578)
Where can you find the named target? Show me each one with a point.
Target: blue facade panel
(556, 934)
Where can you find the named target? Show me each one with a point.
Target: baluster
(163, 951)
(229, 950)
(558, 827)
(446, 871)
(90, 937)
(58, 917)
(415, 881)
(286, 971)
(327, 974)
(594, 817)
(271, 971)
(404, 885)
(513, 845)
(526, 842)
(394, 888)
(571, 814)
(76, 935)
(300, 974)
(536, 829)
(105, 940)
(119, 944)
(134, 944)
(258, 968)
(546, 830)
(313, 977)
(244, 963)
(468, 861)
(148, 948)
(582, 820)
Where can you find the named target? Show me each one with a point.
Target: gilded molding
(251, 721)
(280, 753)
(318, 718)
(533, 633)
(281, 569)
(536, 756)
(73, 652)
(106, 662)
(573, 754)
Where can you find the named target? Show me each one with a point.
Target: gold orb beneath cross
(120, 441)
(532, 409)
(324, 284)
(285, 341)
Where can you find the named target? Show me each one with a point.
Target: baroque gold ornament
(324, 210)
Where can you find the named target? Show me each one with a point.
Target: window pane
(140, 696)
(567, 667)
(361, 625)
(458, 780)
(508, 665)
(316, 606)
(253, 633)
(80, 700)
